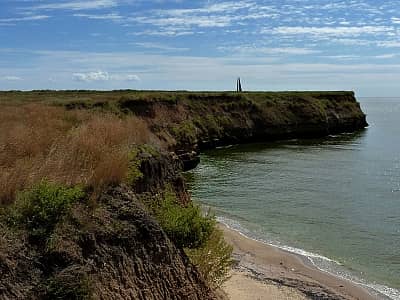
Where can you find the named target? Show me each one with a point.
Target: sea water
(335, 200)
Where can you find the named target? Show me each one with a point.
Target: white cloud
(159, 46)
(351, 41)
(395, 20)
(11, 78)
(76, 5)
(389, 44)
(169, 32)
(254, 50)
(103, 76)
(342, 57)
(112, 16)
(222, 7)
(341, 31)
(91, 76)
(215, 15)
(385, 56)
(27, 18)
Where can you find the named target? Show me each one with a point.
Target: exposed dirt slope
(117, 251)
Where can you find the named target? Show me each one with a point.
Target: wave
(321, 262)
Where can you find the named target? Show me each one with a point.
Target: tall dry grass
(70, 147)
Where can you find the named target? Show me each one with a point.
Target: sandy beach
(266, 272)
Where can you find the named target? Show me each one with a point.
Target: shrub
(185, 133)
(184, 225)
(40, 208)
(213, 259)
(188, 228)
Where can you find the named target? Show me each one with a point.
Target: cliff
(113, 248)
(191, 122)
(118, 252)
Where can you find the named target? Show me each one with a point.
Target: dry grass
(70, 147)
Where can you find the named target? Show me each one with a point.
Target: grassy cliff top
(65, 96)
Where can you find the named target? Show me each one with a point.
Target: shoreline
(264, 271)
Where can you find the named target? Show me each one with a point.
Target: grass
(91, 97)
(86, 148)
(213, 259)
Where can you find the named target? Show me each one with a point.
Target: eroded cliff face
(115, 251)
(110, 249)
(194, 122)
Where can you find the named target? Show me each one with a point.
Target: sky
(201, 45)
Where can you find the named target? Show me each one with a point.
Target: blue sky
(201, 45)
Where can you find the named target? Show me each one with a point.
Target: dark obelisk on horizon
(238, 85)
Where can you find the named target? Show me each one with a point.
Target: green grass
(195, 232)
(40, 208)
(185, 225)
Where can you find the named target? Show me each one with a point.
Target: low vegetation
(39, 208)
(197, 233)
(213, 259)
(185, 225)
(68, 147)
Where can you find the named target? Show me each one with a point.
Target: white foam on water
(317, 260)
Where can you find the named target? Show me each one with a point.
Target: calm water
(337, 200)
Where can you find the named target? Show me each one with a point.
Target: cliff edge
(191, 122)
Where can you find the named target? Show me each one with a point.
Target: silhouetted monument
(238, 85)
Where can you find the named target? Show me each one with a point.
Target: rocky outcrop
(159, 170)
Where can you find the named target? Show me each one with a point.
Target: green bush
(40, 208)
(185, 225)
(197, 234)
(185, 133)
(213, 259)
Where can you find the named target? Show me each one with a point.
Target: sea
(334, 200)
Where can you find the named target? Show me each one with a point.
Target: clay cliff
(191, 122)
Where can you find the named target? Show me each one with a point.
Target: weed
(213, 259)
(184, 225)
(40, 208)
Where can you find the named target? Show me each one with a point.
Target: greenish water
(335, 200)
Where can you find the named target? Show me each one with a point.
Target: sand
(266, 272)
